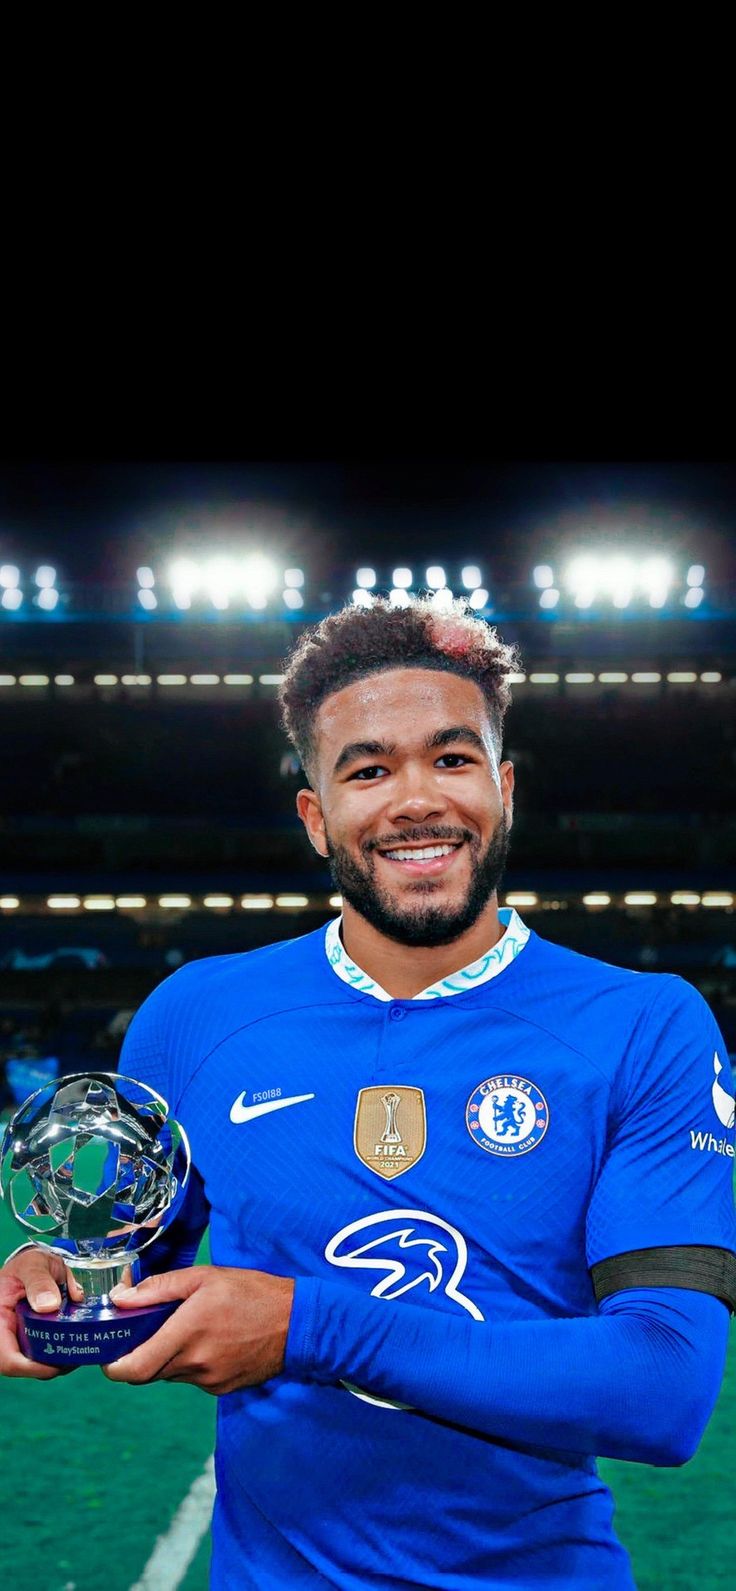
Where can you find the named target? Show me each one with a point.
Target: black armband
(705, 1270)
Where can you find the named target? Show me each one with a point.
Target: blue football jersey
(473, 1151)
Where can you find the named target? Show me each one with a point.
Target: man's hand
(229, 1332)
(37, 1276)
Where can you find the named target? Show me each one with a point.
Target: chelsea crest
(507, 1115)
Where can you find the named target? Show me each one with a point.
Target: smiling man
(469, 1193)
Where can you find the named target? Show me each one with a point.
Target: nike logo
(241, 1112)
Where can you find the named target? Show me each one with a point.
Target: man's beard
(422, 923)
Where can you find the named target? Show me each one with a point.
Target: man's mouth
(426, 859)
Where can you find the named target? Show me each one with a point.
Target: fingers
(151, 1359)
(12, 1361)
(163, 1289)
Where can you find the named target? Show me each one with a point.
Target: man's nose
(416, 796)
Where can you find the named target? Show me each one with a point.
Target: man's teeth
(424, 855)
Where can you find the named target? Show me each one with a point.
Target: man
(468, 1228)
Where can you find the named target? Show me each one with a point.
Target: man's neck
(404, 970)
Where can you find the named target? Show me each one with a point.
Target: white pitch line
(175, 1549)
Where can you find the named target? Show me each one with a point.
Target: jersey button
(397, 1013)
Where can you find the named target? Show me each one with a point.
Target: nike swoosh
(241, 1112)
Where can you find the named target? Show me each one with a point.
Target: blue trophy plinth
(90, 1334)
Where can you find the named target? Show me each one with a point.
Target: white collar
(504, 951)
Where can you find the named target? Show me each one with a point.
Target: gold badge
(390, 1129)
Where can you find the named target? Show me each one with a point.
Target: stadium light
(361, 597)
(436, 579)
(596, 900)
(366, 578)
(694, 596)
(696, 574)
(549, 598)
(174, 902)
(441, 600)
(402, 578)
(146, 577)
(294, 578)
(478, 598)
(9, 575)
(45, 576)
(293, 599)
(543, 576)
(640, 898)
(471, 577)
(47, 598)
(147, 599)
(12, 598)
(398, 597)
(259, 579)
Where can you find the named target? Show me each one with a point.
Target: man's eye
(368, 773)
(454, 758)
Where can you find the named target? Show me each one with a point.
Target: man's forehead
(414, 697)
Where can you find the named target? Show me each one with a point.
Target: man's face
(406, 765)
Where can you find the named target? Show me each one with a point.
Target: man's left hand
(229, 1332)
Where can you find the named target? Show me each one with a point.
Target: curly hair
(358, 641)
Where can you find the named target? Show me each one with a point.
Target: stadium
(148, 819)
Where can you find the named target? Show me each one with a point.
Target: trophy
(93, 1168)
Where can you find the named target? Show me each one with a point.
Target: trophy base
(86, 1334)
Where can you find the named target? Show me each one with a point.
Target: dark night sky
(95, 518)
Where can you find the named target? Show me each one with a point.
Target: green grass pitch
(92, 1473)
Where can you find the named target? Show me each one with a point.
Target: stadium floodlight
(34, 679)
(98, 903)
(543, 575)
(712, 677)
(335, 900)
(64, 679)
(174, 902)
(291, 901)
(148, 599)
(612, 677)
(696, 574)
(9, 902)
(694, 596)
(256, 903)
(47, 598)
(549, 598)
(9, 574)
(470, 576)
(259, 578)
(442, 599)
(63, 903)
(682, 677)
(105, 679)
(130, 902)
(365, 578)
(293, 599)
(579, 679)
(402, 578)
(436, 579)
(399, 598)
(45, 576)
(717, 898)
(521, 898)
(640, 898)
(145, 577)
(182, 598)
(544, 679)
(479, 597)
(596, 900)
(204, 679)
(684, 897)
(584, 582)
(8, 679)
(213, 901)
(294, 578)
(12, 598)
(362, 598)
(184, 579)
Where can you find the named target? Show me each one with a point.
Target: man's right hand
(37, 1276)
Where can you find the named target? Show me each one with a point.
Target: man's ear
(506, 772)
(309, 807)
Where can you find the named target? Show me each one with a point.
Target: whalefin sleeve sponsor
(667, 1175)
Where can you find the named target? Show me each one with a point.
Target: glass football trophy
(94, 1169)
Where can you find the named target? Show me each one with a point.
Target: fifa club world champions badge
(507, 1115)
(93, 1168)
